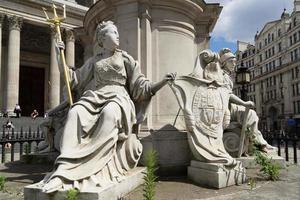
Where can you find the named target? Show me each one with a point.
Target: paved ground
(176, 188)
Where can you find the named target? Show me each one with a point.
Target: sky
(241, 19)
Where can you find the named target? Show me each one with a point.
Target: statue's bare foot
(53, 185)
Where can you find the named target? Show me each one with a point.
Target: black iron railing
(10, 138)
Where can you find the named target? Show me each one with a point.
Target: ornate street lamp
(243, 78)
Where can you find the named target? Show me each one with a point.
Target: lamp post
(243, 79)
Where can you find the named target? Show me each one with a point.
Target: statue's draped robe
(204, 104)
(99, 157)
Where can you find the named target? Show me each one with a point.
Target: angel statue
(97, 146)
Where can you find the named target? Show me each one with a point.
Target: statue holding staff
(97, 145)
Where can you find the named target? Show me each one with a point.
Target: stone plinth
(111, 192)
(216, 175)
(249, 162)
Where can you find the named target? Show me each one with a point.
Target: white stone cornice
(15, 23)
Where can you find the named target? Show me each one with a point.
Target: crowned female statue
(97, 145)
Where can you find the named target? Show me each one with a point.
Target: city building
(274, 64)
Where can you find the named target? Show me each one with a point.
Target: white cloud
(240, 19)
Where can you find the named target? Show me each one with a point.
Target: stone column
(1, 91)
(54, 79)
(146, 50)
(13, 63)
(70, 48)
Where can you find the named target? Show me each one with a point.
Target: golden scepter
(56, 21)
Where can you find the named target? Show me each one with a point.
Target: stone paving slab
(172, 188)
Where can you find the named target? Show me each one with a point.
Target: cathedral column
(70, 48)
(13, 63)
(54, 79)
(1, 92)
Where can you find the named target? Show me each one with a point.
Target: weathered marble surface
(96, 140)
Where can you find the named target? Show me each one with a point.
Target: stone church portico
(29, 73)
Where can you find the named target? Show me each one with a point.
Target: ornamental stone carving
(15, 23)
(70, 36)
(1, 19)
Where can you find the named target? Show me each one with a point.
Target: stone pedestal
(249, 162)
(111, 192)
(216, 175)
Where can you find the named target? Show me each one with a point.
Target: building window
(296, 72)
(269, 38)
(295, 37)
(294, 90)
(272, 36)
(273, 51)
(295, 54)
(280, 78)
(298, 106)
(266, 41)
(281, 93)
(279, 32)
(279, 47)
(282, 108)
(291, 40)
(280, 61)
(292, 56)
(294, 106)
(274, 80)
(260, 58)
(266, 54)
(294, 21)
(260, 44)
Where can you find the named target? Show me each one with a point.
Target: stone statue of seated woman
(97, 146)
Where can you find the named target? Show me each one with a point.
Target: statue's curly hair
(101, 30)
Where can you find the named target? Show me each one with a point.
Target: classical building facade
(29, 74)
(274, 64)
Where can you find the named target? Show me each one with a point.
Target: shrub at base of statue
(150, 177)
(72, 194)
(2, 183)
(268, 168)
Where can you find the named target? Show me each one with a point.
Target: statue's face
(111, 38)
(230, 64)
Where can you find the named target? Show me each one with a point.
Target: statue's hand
(250, 104)
(60, 45)
(170, 76)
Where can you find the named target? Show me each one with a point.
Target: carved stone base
(216, 175)
(111, 192)
(249, 162)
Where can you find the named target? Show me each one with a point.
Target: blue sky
(240, 19)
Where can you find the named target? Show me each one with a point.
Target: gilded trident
(56, 21)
